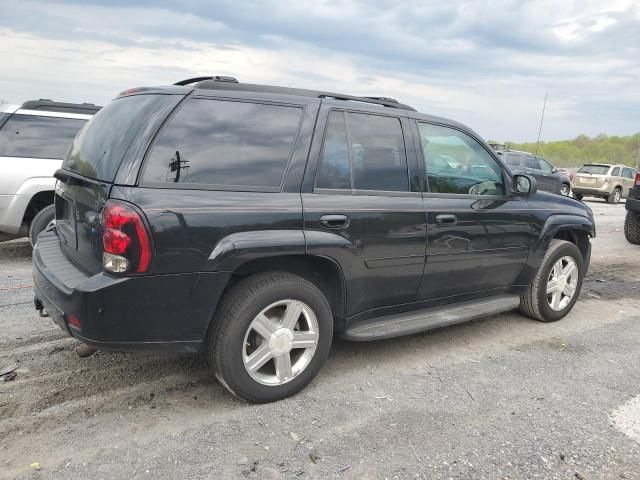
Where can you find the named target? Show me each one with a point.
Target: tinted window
(594, 169)
(545, 166)
(215, 142)
(377, 153)
(334, 171)
(512, 159)
(615, 172)
(456, 163)
(531, 162)
(99, 147)
(628, 173)
(38, 137)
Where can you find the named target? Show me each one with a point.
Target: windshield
(100, 146)
(594, 169)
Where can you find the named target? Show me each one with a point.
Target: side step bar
(399, 324)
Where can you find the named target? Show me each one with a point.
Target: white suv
(34, 137)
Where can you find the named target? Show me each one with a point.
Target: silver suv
(611, 182)
(34, 138)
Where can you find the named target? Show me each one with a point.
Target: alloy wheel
(562, 283)
(280, 342)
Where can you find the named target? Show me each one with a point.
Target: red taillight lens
(607, 180)
(637, 180)
(125, 236)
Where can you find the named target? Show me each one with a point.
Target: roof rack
(212, 83)
(61, 107)
(216, 78)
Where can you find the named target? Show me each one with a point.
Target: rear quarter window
(99, 148)
(224, 143)
(33, 136)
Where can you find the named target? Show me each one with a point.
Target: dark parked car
(549, 178)
(254, 222)
(632, 220)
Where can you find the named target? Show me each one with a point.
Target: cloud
(487, 64)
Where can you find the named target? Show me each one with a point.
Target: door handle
(446, 219)
(334, 221)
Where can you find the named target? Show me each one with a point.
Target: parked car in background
(549, 178)
(632, 220)
(34, 137)
(611, 182)
(253, 222)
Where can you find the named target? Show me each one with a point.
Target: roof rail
(212, 83)
(216, 78)
(62, 107)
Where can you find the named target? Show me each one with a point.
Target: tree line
(583, 149)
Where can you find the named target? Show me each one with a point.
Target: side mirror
(554, 170)
(523, 184)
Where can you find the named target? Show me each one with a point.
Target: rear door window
(615, 172)
(225, 143)
(33, 136)
(334, 171)
(363, 152)
(378, 157)
(513, 159)
(531, 162)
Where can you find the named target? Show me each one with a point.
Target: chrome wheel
(280, 342)
(562, 283)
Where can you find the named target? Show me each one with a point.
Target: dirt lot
(504, 397)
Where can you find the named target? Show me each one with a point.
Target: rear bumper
(603, 191)
(155, 312)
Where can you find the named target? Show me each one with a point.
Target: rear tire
(615, 197)
(252, 319)
(578, 196)
(40, 222)
(632, 228)
(538, 302)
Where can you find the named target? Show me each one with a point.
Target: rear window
(225, 143)
(99, 147)
(594, 169)
(33, 136)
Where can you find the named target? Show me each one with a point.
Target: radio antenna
(541, 119)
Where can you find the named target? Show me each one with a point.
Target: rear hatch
(591, 176)
(120, 131)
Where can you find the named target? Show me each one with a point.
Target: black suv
(254, 222)
(632, 220)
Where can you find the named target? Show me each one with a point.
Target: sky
(487, 64)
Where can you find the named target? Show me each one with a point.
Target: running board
(399, 324)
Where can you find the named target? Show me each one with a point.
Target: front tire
(271, 335)
(565, 190)
(632, 228)
(40, 222)
(556, 286)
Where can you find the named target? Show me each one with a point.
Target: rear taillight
(124, 238)
(607, 180)
(637, 180)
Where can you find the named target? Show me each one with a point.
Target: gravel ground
(503, 397)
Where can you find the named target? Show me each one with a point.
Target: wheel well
(579, 238)
(322, 272)
(37, 203)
